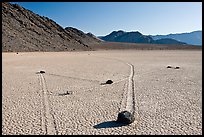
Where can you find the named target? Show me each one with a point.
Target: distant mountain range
(137, 37)
(192, 38)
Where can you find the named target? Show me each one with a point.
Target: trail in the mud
(131, 95)
(48, 122)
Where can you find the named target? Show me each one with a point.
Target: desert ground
(69, 99)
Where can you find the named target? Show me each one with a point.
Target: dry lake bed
(69, 98)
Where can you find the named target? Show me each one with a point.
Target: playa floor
(70, 97)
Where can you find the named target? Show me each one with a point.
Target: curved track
(128, 102)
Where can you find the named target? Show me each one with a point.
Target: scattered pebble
(174, 67)
(109, 82)
(69, 92)
(42, 71)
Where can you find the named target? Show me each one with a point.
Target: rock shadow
(109, 124)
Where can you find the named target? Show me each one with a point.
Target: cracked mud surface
(164, 101)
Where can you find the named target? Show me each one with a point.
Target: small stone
(125, 117)
(69, 92)
(177, 67)
(169, 67)
(109, 82)
(42, 71)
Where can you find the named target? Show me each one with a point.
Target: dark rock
(42, 71)
(177, 67)
(109, 82)
(169, 67)
(125, 117)
(69, 93)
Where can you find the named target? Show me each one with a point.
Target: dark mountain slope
(23, 30)
(169, 41)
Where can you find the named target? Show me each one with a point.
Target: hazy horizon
(101, 18)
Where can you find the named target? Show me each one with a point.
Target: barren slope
(23, 30)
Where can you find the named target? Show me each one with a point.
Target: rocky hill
(82, 37)
(23, 30)
(136, 37)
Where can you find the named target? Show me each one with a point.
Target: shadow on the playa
(109, 124)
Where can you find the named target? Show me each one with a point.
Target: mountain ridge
(192, 38)
(136, 37)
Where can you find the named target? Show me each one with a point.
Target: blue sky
(101, 18)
